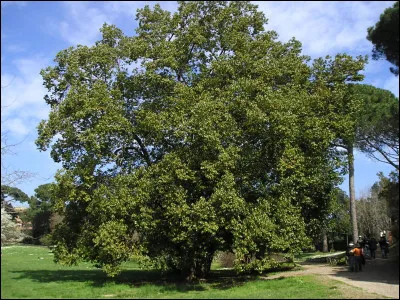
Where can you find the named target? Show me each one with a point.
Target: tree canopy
(372, 127)
(377, 132)
(15, 194)
(384, 35)
(200, 133)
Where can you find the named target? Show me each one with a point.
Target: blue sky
(32, 33)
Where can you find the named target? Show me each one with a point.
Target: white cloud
(15, 48)
(15, 126)
(327, 27)
(83, 19)
(129, 8)
(22, 96)
(331, 27)
(123, 7)
(82, 22)
(377, 74)
(17, 3)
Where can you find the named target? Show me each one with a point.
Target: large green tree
(384, 35)
(371, 127)
(200, 133)
(376, 129)
(342, 109)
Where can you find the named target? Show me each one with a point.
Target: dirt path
(380, 276)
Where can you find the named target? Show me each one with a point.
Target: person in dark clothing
(366, 250)
(350, 247)
(372, 247)
(384, 245)
(351, 259)
(361, 241)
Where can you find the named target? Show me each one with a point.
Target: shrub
(28, 240)
(46, 240)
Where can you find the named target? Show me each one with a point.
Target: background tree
(338, 222)
(217, 141)
(9, 194)
(384, 35)
(373, 211)
(377, 128)
(372, 127)
(377, 132)
(343, 107)
(389, 192)
(40, 211)
(9, 229)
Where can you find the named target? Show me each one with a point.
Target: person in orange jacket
(357, 252)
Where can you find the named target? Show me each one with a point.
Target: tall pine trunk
(353, 211)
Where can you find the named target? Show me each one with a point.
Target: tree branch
(385, 155)
(143, 149)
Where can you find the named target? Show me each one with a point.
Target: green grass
(29, 272)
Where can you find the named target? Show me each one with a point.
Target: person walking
(361, 241)
(372, 247)
(366, 249)
(351, 260)
(357, 261)
(384, 245)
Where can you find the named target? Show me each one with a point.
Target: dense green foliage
(339, 225)
(384, 35)
(202, 133)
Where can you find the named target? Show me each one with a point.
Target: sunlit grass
(29, 272)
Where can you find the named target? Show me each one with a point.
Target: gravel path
(380, 276)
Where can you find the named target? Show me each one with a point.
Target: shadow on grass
(218, 279)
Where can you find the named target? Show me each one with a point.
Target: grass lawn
(29, 272)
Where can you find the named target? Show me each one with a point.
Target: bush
(28, 240)
(46, 240)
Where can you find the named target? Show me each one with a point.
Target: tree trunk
(203, 265)
(324, 241)
(353, 212)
